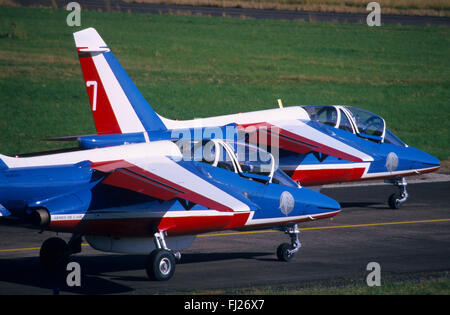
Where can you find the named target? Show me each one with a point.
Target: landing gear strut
(161, 262)
(398, 198)
(286, 251)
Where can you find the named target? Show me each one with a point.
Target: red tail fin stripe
(104, 117)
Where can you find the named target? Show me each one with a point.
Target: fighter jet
(155, 197)
(315, 145)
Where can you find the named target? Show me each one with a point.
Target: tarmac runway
(238, 12)
(408, 242)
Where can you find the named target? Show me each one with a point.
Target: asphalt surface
(237, 12)
(407, 242)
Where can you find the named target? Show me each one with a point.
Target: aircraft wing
(165, 179)
(302, 137)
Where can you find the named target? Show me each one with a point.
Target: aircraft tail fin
(116, 103)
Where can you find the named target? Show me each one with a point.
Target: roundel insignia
(391, 162)
(286, 202)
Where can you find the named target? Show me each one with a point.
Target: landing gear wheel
(394, 201)
(284, 252)
(53, 254)
(160, 265)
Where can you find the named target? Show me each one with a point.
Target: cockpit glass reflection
(324, 114)
(367, 123)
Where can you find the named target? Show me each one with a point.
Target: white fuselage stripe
(169, 170)
(293, 112)
(276, 220)
(366, 166)
(308, 167)
(381, 174)
(302, 129)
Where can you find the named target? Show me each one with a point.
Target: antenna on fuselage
(280, 104)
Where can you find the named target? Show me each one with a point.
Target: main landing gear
(161, 262)
(286, 251)
(55, 252)
(398, 198)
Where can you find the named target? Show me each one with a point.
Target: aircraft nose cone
(423, 160)
(431, 160)
(319, 201)
(330, 203)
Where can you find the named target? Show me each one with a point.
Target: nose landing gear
(398, 198)
(286, 251)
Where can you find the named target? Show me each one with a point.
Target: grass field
(198, 66)
(437, 284)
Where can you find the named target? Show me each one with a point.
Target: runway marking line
(272, 231)
(26, 249)
(328, 227)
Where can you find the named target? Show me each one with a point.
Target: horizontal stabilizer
(67, 138)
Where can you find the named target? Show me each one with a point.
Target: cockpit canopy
(244, 159)
(366, 122)
(355, 120)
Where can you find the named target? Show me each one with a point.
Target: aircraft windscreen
(281, 178)
(223, 158)
(368, 123)
(253, 160)
(208, 152)
(260, 162)
(324, 114)
(393, 139)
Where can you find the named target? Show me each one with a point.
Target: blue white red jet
(317, 144)
(155, 198)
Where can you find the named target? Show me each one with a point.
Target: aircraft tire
(160, 265)
(393, 201)
(52, 254)
(283, 253)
